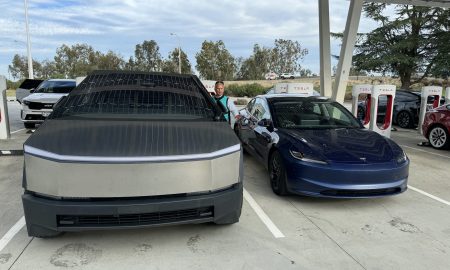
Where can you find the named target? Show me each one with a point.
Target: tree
(414, 41)
(19, 67)
(109, 61)
(80, 59)
(305, 72)
(171, 64)
(77, 60)
(49, 71)
(214, 61)
(257, 65)
(146, 57)
(286, 56)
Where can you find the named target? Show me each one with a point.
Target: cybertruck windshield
(137, 96)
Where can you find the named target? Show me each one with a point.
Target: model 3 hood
(44, 97)
(119, 138)
(346, 145)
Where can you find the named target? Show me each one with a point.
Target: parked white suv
(287, 76)
(39, 104)
(271, 76)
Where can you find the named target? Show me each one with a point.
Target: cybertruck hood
(124, 139)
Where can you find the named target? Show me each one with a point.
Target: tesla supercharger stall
(306, 89)
(281, 88)
(427, 91)
(357, 91)
(4, 120)
(389, 92)
(447, 95)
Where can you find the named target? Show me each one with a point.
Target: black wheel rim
(275, 172)
(403, 119)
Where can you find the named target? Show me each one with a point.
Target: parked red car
(436, 127)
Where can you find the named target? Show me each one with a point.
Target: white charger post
(358, 90)
(427, 91)
(281, 88)
(389, 92)
(4, 119)
(447, 95)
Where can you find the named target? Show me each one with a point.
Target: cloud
(119, 25)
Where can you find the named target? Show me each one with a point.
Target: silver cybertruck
(132, 149)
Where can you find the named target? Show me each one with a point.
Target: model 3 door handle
(267, 136)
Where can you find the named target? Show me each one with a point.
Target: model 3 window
(56, 87)
(260, 109)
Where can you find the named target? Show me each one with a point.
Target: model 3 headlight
(402, 158)
(306, 158)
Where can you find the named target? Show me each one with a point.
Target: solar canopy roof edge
(429, 3)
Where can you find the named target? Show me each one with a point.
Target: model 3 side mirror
(267, 123)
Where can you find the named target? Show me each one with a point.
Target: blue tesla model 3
(314, 146)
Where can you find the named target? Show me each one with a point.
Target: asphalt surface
(408, 231)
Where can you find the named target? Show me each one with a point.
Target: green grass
(10, 92)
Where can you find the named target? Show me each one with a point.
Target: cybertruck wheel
(277, 173)
(439, 137)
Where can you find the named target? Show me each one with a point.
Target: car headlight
(26, 102)
(401, 158)
(305, 157)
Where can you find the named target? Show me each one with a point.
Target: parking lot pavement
(409, 231)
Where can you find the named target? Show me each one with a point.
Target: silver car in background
(37, 106)
(132, 149)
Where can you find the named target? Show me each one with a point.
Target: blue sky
(119, 25)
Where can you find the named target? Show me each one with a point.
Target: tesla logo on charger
(300, 88)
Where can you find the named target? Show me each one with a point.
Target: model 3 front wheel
(277, 174)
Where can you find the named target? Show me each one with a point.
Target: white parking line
(11, 233)
(420, 150)
(429, 195)
(264, 218)
(17, 130)
(6, 152)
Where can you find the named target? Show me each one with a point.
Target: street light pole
(30, 61)
(179, 52)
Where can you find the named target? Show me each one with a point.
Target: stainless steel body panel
(97, 180)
